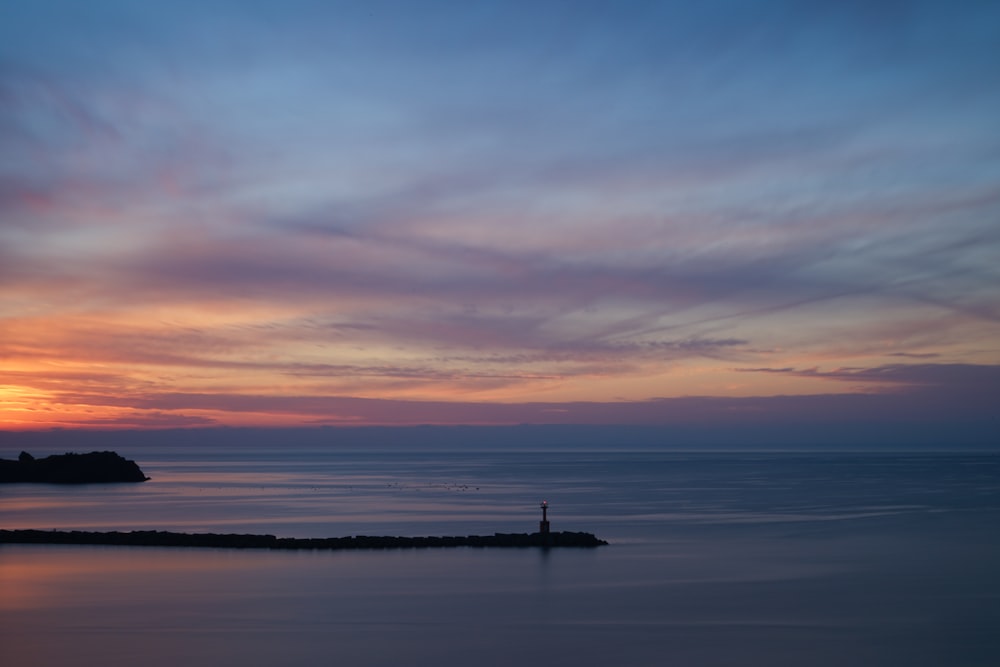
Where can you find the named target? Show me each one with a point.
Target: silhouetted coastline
(160, 538)
(93, 468)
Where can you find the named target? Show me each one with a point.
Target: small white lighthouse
(543, 525)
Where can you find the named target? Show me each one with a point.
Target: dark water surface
(716, 559)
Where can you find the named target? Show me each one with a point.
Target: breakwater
(159, 538)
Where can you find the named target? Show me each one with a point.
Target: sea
(714, 559)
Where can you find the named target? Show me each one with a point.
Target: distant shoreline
(158, 538)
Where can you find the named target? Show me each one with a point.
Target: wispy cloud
(458, 203)
(962, 378)
(943, 393)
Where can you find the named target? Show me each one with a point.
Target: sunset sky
(295, 213)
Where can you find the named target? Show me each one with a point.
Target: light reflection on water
(762, 559)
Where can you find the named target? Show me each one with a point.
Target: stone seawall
(158, 538)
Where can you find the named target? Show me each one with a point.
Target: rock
(160, 538)
(95, 467)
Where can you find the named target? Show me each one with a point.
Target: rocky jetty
(95, 467)
(159, 538)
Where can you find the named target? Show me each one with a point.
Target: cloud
(454, 201)
(948, 395)
(139, 420)
(961, 379)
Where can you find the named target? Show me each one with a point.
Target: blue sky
(294, 213)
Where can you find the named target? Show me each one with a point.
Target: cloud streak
(938, 400)
(478, 207)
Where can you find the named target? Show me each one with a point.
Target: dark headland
(159, 538)
(92, 468)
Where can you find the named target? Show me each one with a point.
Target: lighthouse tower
(543, 525)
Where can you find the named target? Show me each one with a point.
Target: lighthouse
(543, 525)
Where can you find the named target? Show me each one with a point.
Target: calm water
(721, 559)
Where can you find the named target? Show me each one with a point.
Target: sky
(295, 213)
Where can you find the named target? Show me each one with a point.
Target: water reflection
(769, 560)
